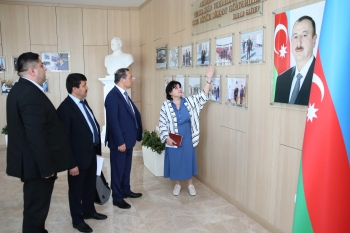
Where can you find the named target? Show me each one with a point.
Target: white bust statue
(117, 59)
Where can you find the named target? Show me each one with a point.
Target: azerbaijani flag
(281, 46)
(323, 197)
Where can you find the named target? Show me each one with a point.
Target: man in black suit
(235, 93)
(37, 146)
(83, 132)
(293, 86)
(249, 47)
(203, 56)
(124, 128)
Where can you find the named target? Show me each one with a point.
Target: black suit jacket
(79, 134)
(284, 83)
(249, 44)
(37, 145)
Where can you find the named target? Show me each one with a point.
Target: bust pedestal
(108, 84)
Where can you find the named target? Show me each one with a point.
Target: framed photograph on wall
(186, 54)
(181, 79)
(252, 45)
(215, 89)
(3, 65)
(287, 61)
(174, 58)
(203, 53)
(223, 50)
(6, 85)
(56, 62)
(236, 93)
(167, 80)
(161, 57)
(14, 63)
(194, 84)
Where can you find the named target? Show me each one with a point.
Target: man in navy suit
(83, 132)
(303, 42)
(123, 129)
(62, 65)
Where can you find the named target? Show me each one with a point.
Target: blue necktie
(92, 123)
(128, 101)
(295, 90)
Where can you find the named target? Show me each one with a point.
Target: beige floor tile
(157, 211)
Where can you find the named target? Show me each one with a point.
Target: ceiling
(115, 3)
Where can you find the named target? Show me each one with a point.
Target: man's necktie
(92, 123)
(129, 103)
(296, 89)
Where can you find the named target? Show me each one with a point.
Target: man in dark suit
(293, 86)
(62, 65)
(37, 146)
(123, 129)
(203, 56)
(83, 132)
(241, 94)
(249, 47)
(235, 93)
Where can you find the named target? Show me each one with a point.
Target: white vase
(153, 161)
(6, 139)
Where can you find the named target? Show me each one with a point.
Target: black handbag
(103, 191)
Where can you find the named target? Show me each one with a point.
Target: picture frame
(6, 85)
(174, 58)
(283, 49)
(3, 64)
(252, 49)
(215, 90)
(237, 90)
(14, 63)
(187, 56)
(181, 79)
(161, 57)
(167, 80)
(56, 61)
(203, 53)
(194, 84)
(224, 50)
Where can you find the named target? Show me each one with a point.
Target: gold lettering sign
(211, 14)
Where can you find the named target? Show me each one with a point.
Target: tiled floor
(157, 211)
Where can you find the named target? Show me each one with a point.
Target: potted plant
(5, 131)
(153, 152)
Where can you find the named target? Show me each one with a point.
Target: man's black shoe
(122, 204)
(82, 227)
(96, 216)
(132, 195)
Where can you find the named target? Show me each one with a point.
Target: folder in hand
(176, 138)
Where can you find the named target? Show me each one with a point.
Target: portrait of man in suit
(123, 129)
(37, 144)
(62, 65)
(83, 133)
(293, 86)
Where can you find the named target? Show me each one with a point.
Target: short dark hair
(73, 80)
(170, 87)
(308, 18)
(121, 73)
(27, 60)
